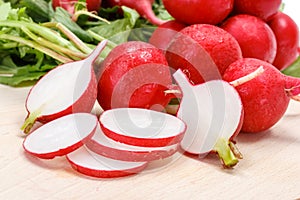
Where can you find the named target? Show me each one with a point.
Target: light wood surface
(270, 168)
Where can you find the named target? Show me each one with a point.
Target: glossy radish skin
(199, 11)
(263, 9)
(163, 34)
(143, 7)
(221, 47)
(94, 165)
(134, 74)
(61, 136)
(266, 97)
(254, 36)
(287, 36)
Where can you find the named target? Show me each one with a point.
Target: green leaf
(4, 10)
(293, 69)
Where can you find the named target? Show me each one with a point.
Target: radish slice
(104, 146)
(92, 164)
(142, 127)
(61, 136)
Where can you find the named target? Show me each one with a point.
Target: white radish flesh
(92, 164)
(104, 146)
(61, 136)
(142, 127)
(213, 113)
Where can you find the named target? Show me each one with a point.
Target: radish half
(213, 113)
(104, 146)
(92, 164)
(61, 136)
(142, 127)
(68, 88)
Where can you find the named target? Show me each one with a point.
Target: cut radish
(61, 136)
(92, 164)
(104, 146)
(68, 88)
(142, 127)
(213, 113)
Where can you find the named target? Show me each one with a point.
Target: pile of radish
(220, 63)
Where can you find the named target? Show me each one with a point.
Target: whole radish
(194, 42)
(199, 11)
(266, 97)
(143, 7)
(164, 33)
(263, 9)
(92, 5)
(254, 36)
(134, 74)
(287, 36)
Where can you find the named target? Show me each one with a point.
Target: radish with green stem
(68, 88)
(266, 97)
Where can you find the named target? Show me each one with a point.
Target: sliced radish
(68, 88)
(213, 113)
(61, 136)
(104, 146)
(142, 127)
(92, 164)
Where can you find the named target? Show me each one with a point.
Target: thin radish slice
(61, 136)
(92, 164)
(142, 127)
(104, 146)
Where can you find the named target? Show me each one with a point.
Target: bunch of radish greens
(35, 38)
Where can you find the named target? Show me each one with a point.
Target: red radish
(287, 36)
(92, 164)
(69, 5)
(68, 88)
(143, 7)
(263, 9)
(193, 43)
(199, 11)
(61, 136)
(266, 97)
(107, 147)
(164, 33)
(134, 74)
(142, 127)
(254, 36)
(213, 112)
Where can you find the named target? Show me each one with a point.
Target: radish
(143, 7)
(134, 74)
(69, 5)
(199, 11)
(287, 43)
(61, 136)
(92, 164)
(265, 98)
(107, 147)
(142, 127)
(203, 52)
(164, 33)
(213, 112)
(69, 88)
(254, 36)
(264, 9)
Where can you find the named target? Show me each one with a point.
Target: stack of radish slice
(90, 150)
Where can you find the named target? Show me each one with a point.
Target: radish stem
(225, 153)
(90, 14)
(30, 120)
(248, 77)
(100, 38)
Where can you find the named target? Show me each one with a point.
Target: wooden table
(270, 168)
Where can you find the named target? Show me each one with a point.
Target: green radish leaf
(293, 69)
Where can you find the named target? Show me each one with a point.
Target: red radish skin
(254, 36)
(219, 44)
(134, 74)
(69, 5)
(143, 7)
(263, 9)
(94, 165)
(199, 11)
(266, 97)
(287, 36)
(164, 33)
